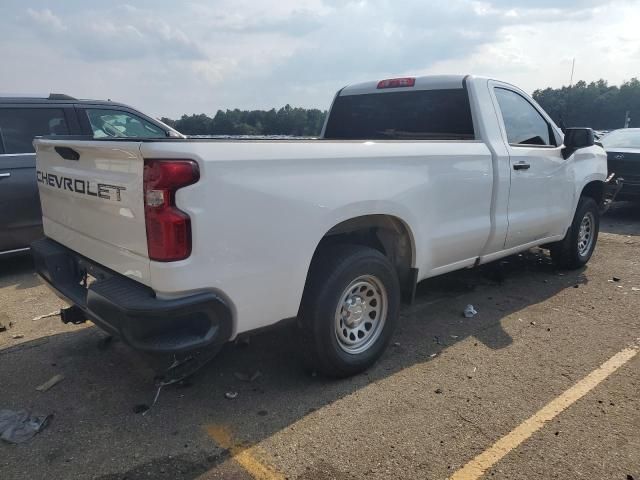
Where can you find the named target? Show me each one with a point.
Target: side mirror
(576, 138)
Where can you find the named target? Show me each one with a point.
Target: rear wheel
(349, 309)
(575, 250)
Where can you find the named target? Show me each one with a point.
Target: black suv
(22, 119)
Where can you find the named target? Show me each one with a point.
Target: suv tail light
(168, 228)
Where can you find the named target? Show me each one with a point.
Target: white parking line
(487, 459)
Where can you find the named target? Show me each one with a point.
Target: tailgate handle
(67, 153)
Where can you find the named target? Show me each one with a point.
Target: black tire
(332, 271)
(567, 252)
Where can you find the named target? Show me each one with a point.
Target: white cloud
(169, 57)
(47, 19)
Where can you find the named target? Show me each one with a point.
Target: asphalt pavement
(543, 382)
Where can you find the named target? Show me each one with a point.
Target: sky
(169, 57)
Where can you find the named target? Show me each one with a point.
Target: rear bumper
(129, 309)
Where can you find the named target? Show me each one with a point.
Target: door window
(119, 124)
(18, 127)
(523, 123)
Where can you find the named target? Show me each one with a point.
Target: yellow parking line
(479, 465)
(243, 455)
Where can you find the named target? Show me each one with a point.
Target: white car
(179, 245)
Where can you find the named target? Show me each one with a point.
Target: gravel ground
(446, 390)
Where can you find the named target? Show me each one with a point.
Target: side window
(523, 123)
(18, 126)
(119, 124)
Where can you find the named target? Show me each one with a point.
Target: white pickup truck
(179, 245)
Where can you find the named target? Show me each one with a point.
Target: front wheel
(575, 250)
(349, 309)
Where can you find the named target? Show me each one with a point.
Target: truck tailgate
(92, 201)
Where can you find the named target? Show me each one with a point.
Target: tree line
(597, 105)
(285, 121)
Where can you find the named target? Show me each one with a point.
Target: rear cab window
(106, 123)
(441, 114)
(19, 126)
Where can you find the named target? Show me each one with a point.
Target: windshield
(625, 138)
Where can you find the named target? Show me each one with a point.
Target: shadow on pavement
(95, 424)
(623, 218)
(18, 271)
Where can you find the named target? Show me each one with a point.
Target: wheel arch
(386, 233)
(594, 189)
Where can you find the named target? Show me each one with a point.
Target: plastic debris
(17, 336)
(469, 311)
(433, 355)
(47, 315)
(635, 289)
(230, 395)
(52, 382)
(20, 426)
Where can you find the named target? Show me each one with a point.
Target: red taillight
(397, 82)
(168, 228)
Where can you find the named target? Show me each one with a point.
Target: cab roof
(426, 82)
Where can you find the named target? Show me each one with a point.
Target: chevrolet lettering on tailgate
(84, 187)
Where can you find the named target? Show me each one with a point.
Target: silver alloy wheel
(586, 233)
(361, 314)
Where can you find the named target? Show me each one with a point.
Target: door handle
(5, 175)
(521, 166)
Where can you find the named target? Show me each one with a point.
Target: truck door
(541, 191)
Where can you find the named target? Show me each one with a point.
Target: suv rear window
(18, 127)
(415, 115)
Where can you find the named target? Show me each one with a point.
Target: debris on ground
(470, 311)
(433, 355)
(3, 328)
(17, 336)
(615, 279)
(396, 344)
(230, 395)
(20, 426)
(438, 390)
(532, 323)
(47, 315)
(52, 382)
(635, 289)
(246, 377)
